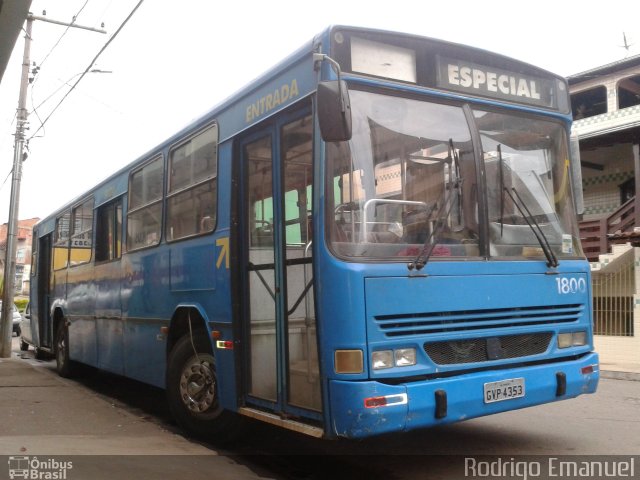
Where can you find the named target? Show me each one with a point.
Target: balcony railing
(596, 234)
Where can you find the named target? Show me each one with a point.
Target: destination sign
(475, 79)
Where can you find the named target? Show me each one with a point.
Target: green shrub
(21, 303)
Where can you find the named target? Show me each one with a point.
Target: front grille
(470, 320)
(479, 350)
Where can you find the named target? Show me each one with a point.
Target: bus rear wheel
(192, 391)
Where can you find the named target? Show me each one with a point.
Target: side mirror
(334, 111)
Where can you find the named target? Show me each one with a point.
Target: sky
(174, 61)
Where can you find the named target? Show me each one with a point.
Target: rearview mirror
(334, 111)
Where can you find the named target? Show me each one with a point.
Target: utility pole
(6, 327)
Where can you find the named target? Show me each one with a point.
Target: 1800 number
(568, 285)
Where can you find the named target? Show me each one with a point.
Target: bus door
(282, 359)
(44, 285)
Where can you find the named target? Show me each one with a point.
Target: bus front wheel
(64, 366)
(192, 390)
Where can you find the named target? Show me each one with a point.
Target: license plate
(503, 390)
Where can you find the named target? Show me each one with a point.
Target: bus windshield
(528, 182)
(408, 177)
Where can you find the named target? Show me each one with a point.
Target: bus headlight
(401, 357)
(405, 357)
(579, 339)
(572, 339)
(382, 359)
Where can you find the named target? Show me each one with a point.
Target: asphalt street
(111, 426)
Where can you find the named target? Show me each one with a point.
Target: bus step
(282, 422)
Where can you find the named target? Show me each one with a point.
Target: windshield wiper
(430, 243)
(446, 203)
(552, 260)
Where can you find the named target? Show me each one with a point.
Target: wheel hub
(197, 386)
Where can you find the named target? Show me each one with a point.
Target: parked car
(26, 337)
(17, 318)
(30, 336)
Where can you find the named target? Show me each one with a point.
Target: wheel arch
(57, 317)
(179, 324)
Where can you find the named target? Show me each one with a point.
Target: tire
(192, 392)
(17, 331)
(41, 354)
(24, 346)
(64, 366)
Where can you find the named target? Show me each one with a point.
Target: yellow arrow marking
(224, 252)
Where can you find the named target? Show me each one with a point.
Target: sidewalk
(47, 416)
(44, 415)
(620, 371)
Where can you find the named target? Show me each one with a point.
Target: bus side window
(144, 218)
(109, 231)
(82, 234)
(192, 191)
(61, 242)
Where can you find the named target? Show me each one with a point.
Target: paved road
(606, 423)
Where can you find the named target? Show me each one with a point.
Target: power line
(35, 109)
(104, 12)
(88, 67)
(73, 20)
(54, 92)
(36, 69)
(7, 178)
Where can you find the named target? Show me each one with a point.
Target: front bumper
(464, 397)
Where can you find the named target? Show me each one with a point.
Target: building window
(144, 217)
(589, 103)
(82, 234)
(109, 231)
(192, 192)
(629, 92)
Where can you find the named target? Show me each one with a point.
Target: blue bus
(377, 235)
